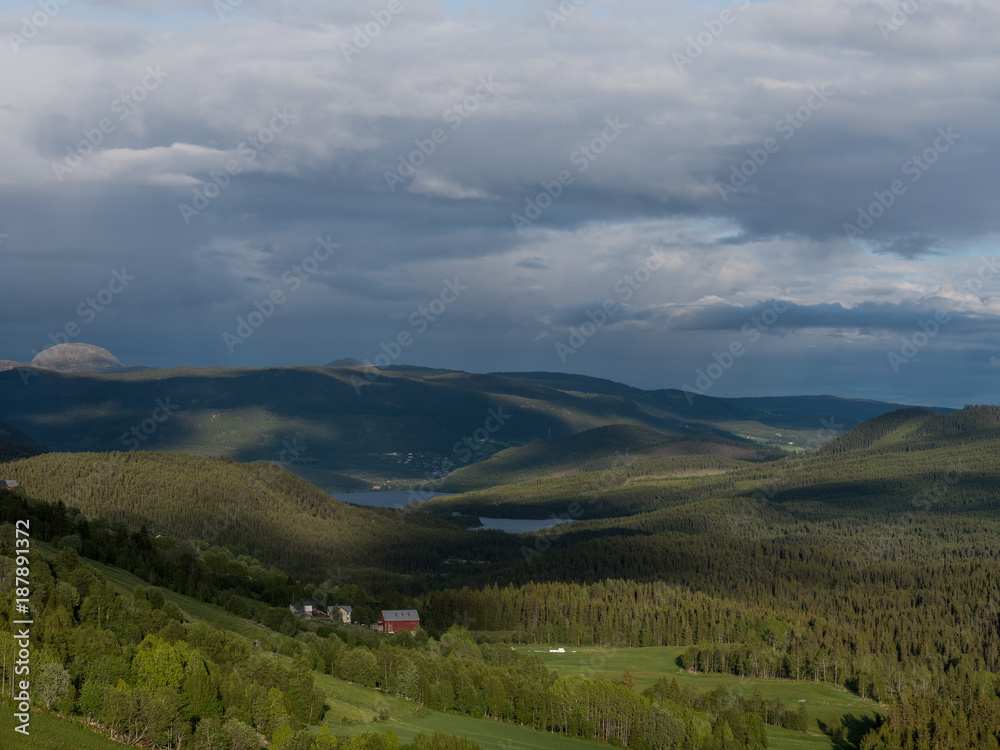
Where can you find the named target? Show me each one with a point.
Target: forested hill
(264, 509)
(916, 428)
(592, 450)
(364, 422)
(15, 444)
(867, 434)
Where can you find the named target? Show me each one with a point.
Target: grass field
(360, 706)
(50, 734)
(491, 735)
(353, 703)
(823, 702)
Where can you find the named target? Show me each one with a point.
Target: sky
(748, 199)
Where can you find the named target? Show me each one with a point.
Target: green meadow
(824, 702)
(47, 733)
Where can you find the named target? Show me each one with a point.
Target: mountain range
(351, 426)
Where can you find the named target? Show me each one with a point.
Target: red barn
(394, 620)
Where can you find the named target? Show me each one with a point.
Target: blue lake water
(399, 498)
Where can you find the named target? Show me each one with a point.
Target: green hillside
(870, 566)
(824, 702)
(152, 665)
(49, 733)
(14, 444)
(625, 487)
(346, 428)
(887, 426)
(906, 462)
(591, 450)
(264, 509)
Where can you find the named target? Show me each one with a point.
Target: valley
(709, 592)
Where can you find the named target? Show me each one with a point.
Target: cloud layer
(673, 167)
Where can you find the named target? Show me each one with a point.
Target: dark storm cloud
(536, 263)
(866, 317)
(535, 161)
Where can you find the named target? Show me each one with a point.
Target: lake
(399, 498)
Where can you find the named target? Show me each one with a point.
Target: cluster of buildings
(389, 620)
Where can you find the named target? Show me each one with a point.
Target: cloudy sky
(785, 197)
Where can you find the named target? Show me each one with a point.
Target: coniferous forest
(870, 565)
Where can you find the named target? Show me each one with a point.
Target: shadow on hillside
(847, 734)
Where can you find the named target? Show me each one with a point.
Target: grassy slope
(192, 608)
(490, 735)
(648, 664)
(47, 733)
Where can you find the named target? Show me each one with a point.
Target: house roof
(8, 483)
(399, 615)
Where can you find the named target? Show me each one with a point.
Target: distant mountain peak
(77, 358)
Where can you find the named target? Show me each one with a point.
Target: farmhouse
(304, 609)
(340, 612)
(394, 620)
(8, 484)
